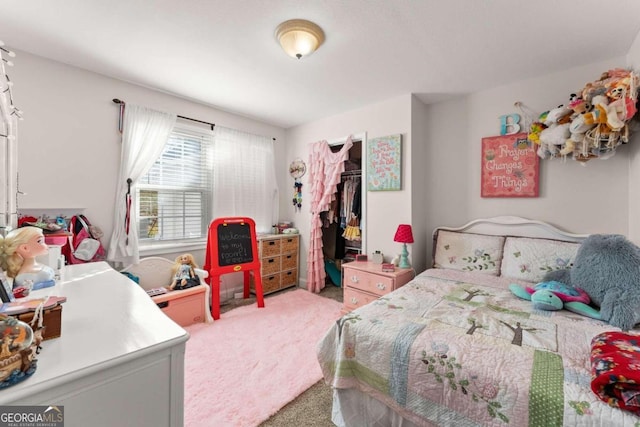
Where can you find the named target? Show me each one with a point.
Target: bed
(454, 347)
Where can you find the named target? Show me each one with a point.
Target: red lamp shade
(403, 234)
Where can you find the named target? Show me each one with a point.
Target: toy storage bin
(185, 306)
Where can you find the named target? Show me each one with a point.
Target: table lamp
(404, 236)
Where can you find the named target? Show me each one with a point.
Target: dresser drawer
(270, 265)
(270, 283)
(269, 248)
(379, 285)
(289, 261)
(354, 298)
(289, 278)
(289, 244)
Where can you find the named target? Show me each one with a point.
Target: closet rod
(353, 172)
(118, 101)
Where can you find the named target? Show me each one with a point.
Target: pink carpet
(243, 368)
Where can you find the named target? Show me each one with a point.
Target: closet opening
(343, 224)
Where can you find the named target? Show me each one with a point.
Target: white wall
(419, 174)
(587, 198)
(69, 154)
(385, 209)
(446, 166)
(69, 146)
(633, 61)
(441, 158)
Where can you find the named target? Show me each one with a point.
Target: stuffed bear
(607, 268)
(599, 113)
(621, 106)
(577, 128)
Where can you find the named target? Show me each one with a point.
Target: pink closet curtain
(325, 168)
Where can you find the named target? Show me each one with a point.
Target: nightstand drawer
(379, 285)
(354, 299)
(365, 281)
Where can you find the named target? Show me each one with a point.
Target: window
(174, 197)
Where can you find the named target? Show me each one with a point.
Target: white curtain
(144, 135)
(244, 177)
(9, 115)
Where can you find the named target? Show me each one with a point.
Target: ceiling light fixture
(299, 37)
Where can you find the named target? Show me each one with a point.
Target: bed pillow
(468, 252)
(530, 258)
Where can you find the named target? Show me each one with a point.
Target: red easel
(229, 240)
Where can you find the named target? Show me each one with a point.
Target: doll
(183, 272)
(19, 251)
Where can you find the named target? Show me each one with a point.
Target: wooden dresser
(365, 281)
(278, 261)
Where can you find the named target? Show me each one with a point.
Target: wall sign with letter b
(509, 124)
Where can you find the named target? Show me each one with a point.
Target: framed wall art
(384, 159)
(509, 167)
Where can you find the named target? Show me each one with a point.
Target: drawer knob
(354, 279)
(354, 300)
(381, 286)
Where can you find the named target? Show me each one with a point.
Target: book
(24, 305)
(6, 293)
(156, 291)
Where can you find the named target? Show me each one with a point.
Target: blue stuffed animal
(553, 296)
(607, 268)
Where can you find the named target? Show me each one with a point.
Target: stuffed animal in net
(553, 296)
(607, 268)
(578, 127)
(556, 132)
(599, 121)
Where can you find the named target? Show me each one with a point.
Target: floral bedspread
(457, 348)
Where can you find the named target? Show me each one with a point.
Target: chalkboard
(235, 244)
(231, 246)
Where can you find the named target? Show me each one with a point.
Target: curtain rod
(118, 101)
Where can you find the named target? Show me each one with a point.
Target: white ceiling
(223, 53)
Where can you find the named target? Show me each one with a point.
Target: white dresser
(119, 360)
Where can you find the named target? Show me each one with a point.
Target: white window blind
(174, 197)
